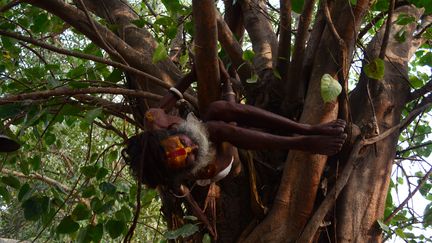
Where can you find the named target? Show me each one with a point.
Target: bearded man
(174, 150)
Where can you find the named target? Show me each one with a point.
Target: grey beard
(197, 132)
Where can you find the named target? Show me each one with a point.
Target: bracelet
(176, 92)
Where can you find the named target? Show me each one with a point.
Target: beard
(197, 132)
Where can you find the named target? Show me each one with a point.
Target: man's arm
(256, 140)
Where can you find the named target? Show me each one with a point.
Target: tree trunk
(362, 202)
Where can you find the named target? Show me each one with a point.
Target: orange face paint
(176, 152)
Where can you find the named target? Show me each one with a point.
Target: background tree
(77, 77)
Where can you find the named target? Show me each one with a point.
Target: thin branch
(410, 195)
(38, 177)
(284, 49)
(37, 95)
(415, 147)
(421, 91)
(375, 20)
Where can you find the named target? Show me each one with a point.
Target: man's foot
(335, 127)
(326, 145)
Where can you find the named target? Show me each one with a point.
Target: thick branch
(263, 38)
(296, 67)
(233, 49)
(75, 17)
(387, 30)
(206, 59)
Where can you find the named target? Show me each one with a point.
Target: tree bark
(362, 202)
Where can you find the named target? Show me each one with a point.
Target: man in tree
(174, 150)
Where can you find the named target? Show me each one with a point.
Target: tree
(77, 77)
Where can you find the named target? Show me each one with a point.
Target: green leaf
(88, 191)
(95, 232)
(330, 88)
(50, 138)
(92, 114)
(67, 226)
(160, 53)
(426, 60)
(375, 69)
(185, 231)
(248, 55)
(35, 207)
(81, 212)
(427, 221)
(400, 36)
(102, 172)
(89, 170)
(4, 193)
(404, 19)
(173, 6)
(115, 228)
(41, 23)
(124, 214)
(139, 23)
(206, 238)
(35, 162)
(115, 76)
(11, 181)
(112, 156)
(24, 192)
(108, 188)
(383, 226)
(353, 2)
(297, 6)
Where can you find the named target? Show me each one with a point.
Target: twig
(38, 55)
(415, 147)
(37, 95)
(421, 91)
(410, 195)
(371, 24)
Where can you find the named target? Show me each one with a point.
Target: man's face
(180, 151)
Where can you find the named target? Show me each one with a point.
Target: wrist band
(176, 92)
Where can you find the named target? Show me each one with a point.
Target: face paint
(176, 152)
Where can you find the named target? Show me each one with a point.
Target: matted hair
(145, 149)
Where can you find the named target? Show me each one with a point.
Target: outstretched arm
(255, 140)
(250, 116)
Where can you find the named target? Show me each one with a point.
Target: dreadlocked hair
(145, 148)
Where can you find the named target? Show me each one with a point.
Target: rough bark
(299, 184)
(363, 200)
